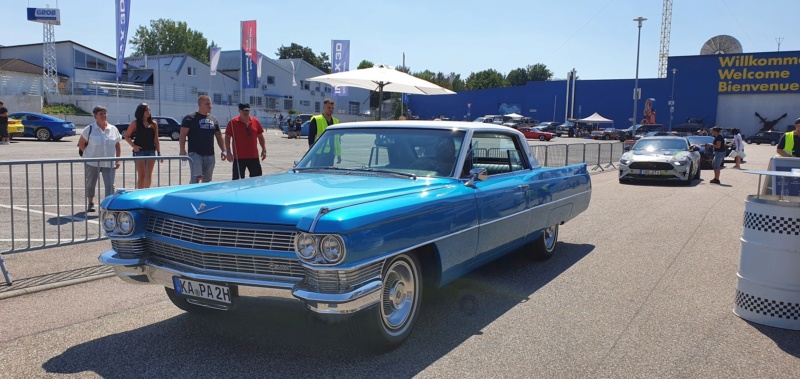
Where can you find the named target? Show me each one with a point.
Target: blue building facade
(725, 90)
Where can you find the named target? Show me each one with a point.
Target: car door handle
(523, 187)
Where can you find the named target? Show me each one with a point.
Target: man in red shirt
(241, 135)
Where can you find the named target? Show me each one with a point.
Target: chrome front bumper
(143, 271)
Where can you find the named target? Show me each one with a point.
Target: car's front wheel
(542, 138)
(185, 305)
(544, 246)
(43, 134)
(391, 321)
(176, 135)
(773, 143)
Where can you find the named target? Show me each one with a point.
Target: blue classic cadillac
(373, 214)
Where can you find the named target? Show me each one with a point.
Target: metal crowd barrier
(601, 155)
(47, 204)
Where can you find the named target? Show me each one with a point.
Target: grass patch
(62, 109)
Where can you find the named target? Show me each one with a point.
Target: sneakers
(714, 181)
(90, 208)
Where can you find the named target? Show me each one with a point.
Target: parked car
(167, 127)
(413, 206)
(660, 158)
(44, 127)
(771, 138)
(705, 145)
(15, 128)
(641, 130)
(605, 134)
(303, 128)
(536, 133)
(490, 118)
(550, 127)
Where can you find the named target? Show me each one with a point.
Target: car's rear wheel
(541, 138)
(185, 305)
(390, 322)
(544, 246)
(773, 143)
(749, 141)
(176, 135)
(43, 134)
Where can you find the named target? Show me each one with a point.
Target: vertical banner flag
(214, 59)
(123, 8)
(260, 62)
(341, 62)
(249, 55)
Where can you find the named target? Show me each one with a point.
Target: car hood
(656, 155)
(276, 199)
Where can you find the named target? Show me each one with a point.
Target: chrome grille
(340, 281)
(225, 262)
(651, 166)
(130, 248)
(224, 237)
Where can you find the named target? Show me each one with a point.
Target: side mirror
(476, 174)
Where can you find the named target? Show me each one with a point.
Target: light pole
(672, 98)
(636, 81)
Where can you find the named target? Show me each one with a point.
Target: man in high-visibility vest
(316, 127)
(789, 144)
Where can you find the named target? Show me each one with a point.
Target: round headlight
(125, 222)
(305, 245)
(109, 221)
(332, 249)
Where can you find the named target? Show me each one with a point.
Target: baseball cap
(244, 107)
(797, 121)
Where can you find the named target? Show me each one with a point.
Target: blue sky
(596, 37)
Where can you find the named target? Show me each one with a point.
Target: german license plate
(202, 290)
(650, 172)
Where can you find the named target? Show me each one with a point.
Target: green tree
(539, 73)
(485, 79)
(517, 77)
(170, 37)
(365, 64)
(295, 51)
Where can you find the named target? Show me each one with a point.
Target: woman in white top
(100, 140)
(738, 146)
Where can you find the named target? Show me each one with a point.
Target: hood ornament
(202, 208)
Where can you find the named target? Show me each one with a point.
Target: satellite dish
(721, 44)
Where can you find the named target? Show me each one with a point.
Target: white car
(662, 158)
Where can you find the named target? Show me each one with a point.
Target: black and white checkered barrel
(768, 280)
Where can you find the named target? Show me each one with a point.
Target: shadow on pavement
(787, 340)
(278, 339)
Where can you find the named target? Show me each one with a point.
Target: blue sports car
(303, 128)
(373, 215)
(44, 127)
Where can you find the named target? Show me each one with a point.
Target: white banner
(214, 59)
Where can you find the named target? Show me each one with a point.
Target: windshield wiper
(379, 171)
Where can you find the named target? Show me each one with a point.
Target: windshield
(700, 140)
(421, 152)
(655, 144)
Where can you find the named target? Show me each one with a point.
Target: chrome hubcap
(550, 237)
(399, 291)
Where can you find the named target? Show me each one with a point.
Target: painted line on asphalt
(73, 218)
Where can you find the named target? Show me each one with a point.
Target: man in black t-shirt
(719, 153)
(201, 128)
(3, 124)
(791, 148)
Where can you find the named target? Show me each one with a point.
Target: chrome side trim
(389, 255)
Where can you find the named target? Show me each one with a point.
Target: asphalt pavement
(642, 285)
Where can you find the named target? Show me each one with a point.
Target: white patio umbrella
(382, 78)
